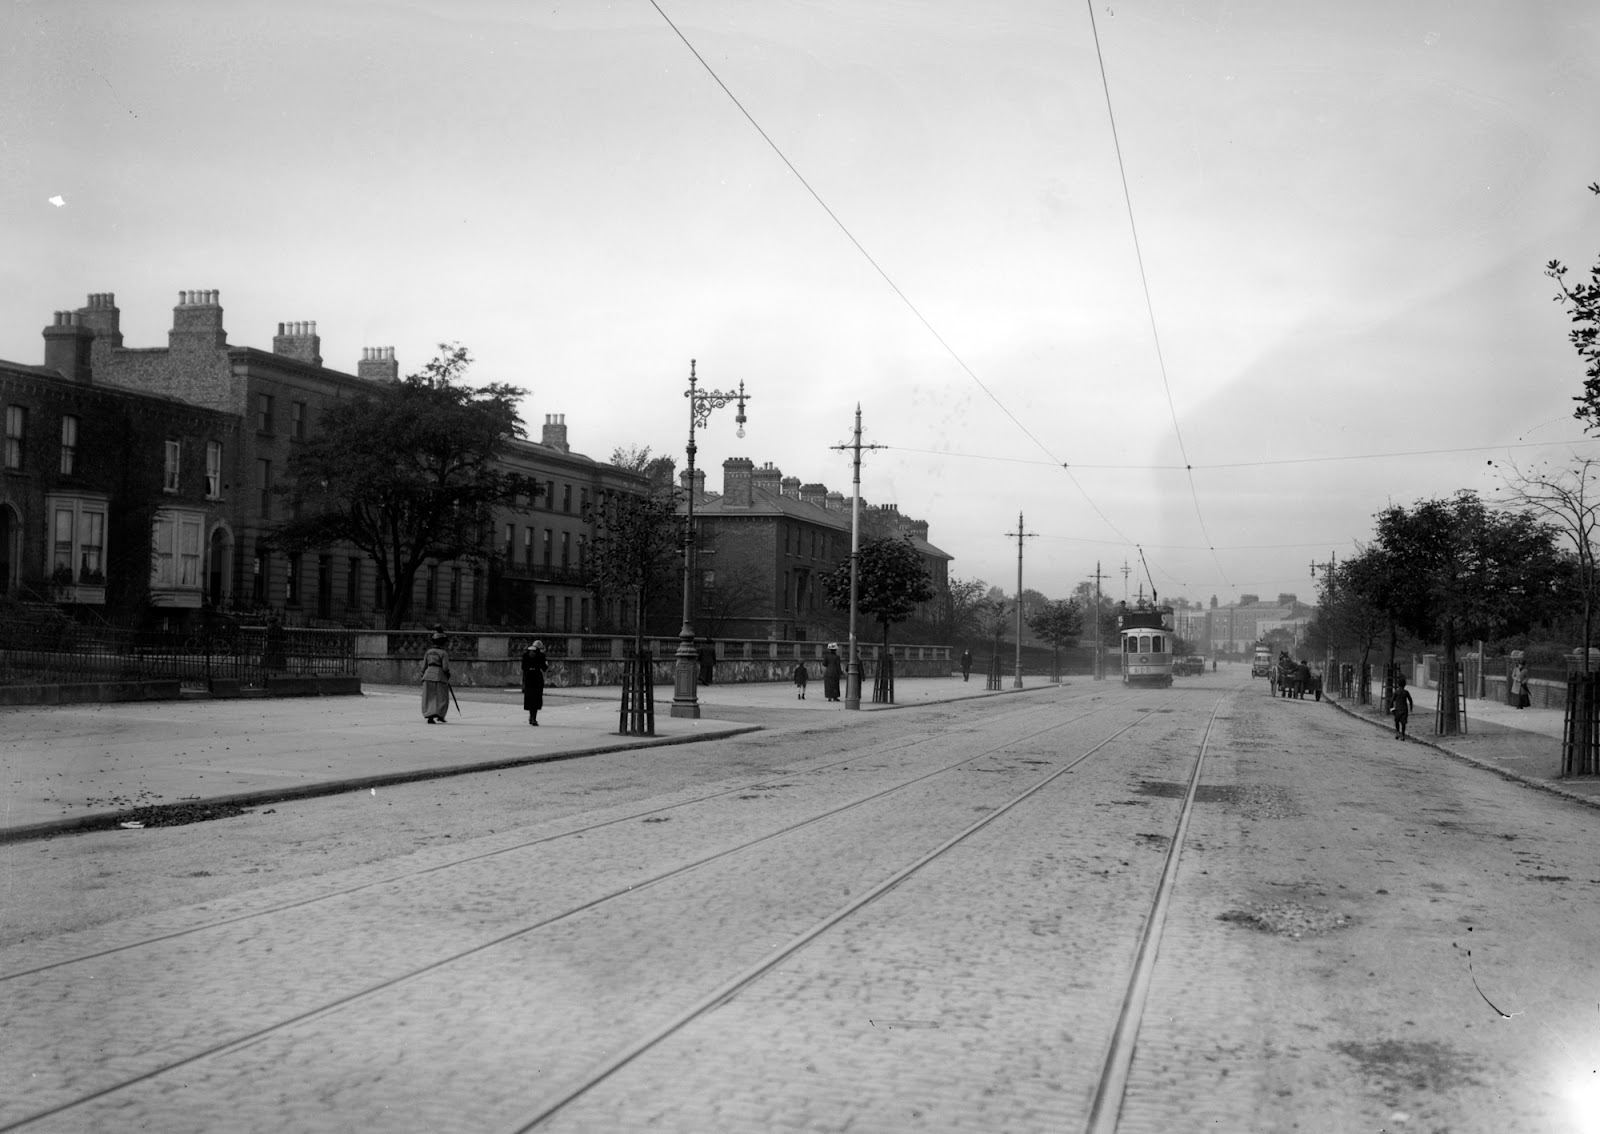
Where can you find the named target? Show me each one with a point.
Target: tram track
(238, 1042)
(457, 862)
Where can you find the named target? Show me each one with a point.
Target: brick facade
(234, 416)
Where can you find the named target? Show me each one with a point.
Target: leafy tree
(892, 581)
(1056, 622)
(635, 552)
(1350, 608)
(1583, 302)
(1462, 571)
(661, 472)
(958, 609)
(409, 472)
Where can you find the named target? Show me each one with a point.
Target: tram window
(1129, 645)
(1156, 644)
(1144, 643)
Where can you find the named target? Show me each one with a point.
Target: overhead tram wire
(1257, 464)
(1149, 305)
(959, 361)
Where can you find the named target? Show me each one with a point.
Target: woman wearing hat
(830, 672)
(533, 667)
(435, 679)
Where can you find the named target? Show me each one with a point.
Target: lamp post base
(685, 702)
(852, 686)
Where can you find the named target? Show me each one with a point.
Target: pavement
(1520, 744)
(100, 766)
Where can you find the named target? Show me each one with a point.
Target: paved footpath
(1520, 744)
(64, 767)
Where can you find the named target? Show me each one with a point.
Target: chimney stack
(737, 474)
(67, 346)
(816, 494)
(834, 501)
(102, 317)
(767, 479)
(791, 486)
(555, 432)
(197, 322)
(298, 341)
(378, 364)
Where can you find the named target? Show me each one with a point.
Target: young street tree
(1349, 605)
(635, 551)
(1583, 302)
(891, 582)
(1056, 622)
(1461, 571)
(408, 473)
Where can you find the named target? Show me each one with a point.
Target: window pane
(62, 550)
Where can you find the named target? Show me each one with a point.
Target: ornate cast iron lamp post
(685, 702)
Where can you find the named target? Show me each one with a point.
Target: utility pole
(852, 687)
(1099, 652)
(1016, 681)
(1126, 571)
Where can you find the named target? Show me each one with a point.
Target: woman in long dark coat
(830, 672)
(533, 666)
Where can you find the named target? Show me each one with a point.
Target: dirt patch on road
(1288, 919)
(1257, 801)
(1398, 1066)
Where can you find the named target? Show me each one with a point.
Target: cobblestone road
(1313, 975)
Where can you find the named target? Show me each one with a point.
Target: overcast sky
(1343, 212)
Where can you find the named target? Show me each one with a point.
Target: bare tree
(1568, 498)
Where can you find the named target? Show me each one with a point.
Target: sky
(1297, 247)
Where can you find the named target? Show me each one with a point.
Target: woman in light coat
(436, 680)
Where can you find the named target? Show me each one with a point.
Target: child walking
(1402, 707)
(800, 679)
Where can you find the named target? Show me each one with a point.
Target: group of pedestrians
(436, 691)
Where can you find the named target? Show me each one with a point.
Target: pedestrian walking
(830, 672)
(436, 679)
(1519, 686)
(966, 664)
(534, 663)
(708, 662)
(800, 679)
(1402, 707)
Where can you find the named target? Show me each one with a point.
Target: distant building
(766, 542)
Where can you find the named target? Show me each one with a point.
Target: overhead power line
(1260, 464)
(959, 361)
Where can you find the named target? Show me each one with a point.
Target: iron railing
(33, 653)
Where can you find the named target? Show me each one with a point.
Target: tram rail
(340, 1003)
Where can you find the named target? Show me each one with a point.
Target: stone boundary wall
(489, 660)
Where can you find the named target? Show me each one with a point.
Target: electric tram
(1147, 638)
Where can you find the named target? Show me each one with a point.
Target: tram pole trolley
(1147, 638)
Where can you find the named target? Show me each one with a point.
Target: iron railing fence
(65, 653)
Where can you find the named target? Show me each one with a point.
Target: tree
(1349, 604)
(1461, 571)
(1568, 497)
(1583, 303)
(408, 473)
(661, 472)
(892, 581)
(958, 609)
(636, 550)
(1056, 622)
